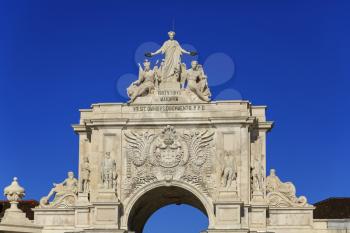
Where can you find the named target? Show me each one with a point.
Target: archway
(176, 218)
(157, 196)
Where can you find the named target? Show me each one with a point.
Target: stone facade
(171, 144)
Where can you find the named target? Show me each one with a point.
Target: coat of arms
(167, 156)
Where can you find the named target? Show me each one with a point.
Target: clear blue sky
(293, 56)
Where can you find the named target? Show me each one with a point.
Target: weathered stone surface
(171, 145)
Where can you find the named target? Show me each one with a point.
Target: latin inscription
(168, 108)
(169, 95)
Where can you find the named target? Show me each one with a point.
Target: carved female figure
(173, 51)
(145, 84)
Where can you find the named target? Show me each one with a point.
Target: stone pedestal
(258, 197)
(228, 214)
(228, 195)
(82, 216)
(227, 231)
(82, 210)
(105, 230)
(291, 217)
(55, 217)
(83, 199)
(14, 220)
(106, 215)
(13, 215)
(258, 217)
(107, 195)
(106, 209)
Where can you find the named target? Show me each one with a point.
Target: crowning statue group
(171, 70)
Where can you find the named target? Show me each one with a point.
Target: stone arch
(156, 195)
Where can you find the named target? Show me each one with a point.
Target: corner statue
(172, 51)
(64, 193)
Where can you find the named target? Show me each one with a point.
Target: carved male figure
(85, 176)
(196, 81)
(109, 174)
(173, 51)
(257, 176)
(69, 185)
(228, 173)
(145, 84)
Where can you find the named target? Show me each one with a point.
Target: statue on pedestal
(172, 51)
(196, 80)
(85, 176)
(109, 174)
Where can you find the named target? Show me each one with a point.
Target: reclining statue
(68, 187)
(282, 194)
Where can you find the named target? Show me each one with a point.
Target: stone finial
(14, 192)
(13, 215)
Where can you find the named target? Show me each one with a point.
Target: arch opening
(177, 218)
(157, 198)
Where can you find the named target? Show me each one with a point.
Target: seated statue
(275, 186)
(196, 81)
(146, 82)
(68, 186)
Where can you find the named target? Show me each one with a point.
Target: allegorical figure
(274, 184)
(85, 176)
(228, 172)
(145, 83)
(69, 185)
(275, 187)
(196, 81)
(109, 174)
(172, 51)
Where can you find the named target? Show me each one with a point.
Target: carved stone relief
(228, 171)
(168, 155)
(257, 169)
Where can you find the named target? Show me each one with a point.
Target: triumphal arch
(172, 144)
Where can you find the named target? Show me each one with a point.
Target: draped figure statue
(173, 52)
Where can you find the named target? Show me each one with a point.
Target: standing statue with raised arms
(172, 51)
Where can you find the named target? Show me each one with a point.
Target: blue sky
(59, 56)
